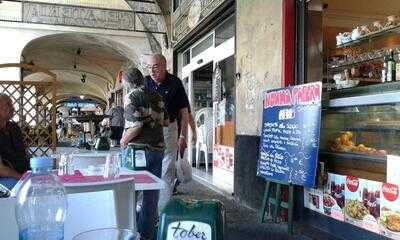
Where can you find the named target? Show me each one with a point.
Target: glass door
(213, 155)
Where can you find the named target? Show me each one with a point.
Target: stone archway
(84, 64)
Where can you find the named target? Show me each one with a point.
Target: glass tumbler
(112, 166)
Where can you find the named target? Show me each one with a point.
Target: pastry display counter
(358, 130)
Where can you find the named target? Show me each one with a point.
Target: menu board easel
(289, 141)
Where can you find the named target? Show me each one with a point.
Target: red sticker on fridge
(352, 183)
(390, 191)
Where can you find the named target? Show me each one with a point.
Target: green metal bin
(191, 219)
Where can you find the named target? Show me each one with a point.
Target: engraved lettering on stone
(76, 16)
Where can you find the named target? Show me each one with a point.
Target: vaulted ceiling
(73, 56)
(76, 56)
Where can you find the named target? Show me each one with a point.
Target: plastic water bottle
(41, 203)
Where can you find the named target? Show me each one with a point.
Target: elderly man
(12, 151)
(145, 117)
(177, 104)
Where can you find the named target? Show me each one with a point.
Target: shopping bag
(183, 169)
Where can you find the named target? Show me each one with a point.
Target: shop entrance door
(224, 124)
(214, 117)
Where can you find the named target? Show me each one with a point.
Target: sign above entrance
(88, 17)
(290, 134)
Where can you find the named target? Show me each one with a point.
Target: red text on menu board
(304, 94)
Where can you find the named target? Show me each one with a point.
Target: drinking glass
(108, 234)
(66, 165)
(62, 164)
(112, 166)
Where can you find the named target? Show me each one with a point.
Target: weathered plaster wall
(258, 59)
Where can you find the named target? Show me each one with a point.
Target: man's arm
(129, 134)
(192, 125)
(184, 120)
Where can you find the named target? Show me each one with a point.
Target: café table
(93, 202)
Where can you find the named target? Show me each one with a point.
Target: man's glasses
(154, 68)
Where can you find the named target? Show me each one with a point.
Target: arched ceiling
(99, 58)
(71, 55)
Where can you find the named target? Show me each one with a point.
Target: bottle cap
(41, 162)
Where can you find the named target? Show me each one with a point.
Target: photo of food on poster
(334, 196)
(313, 199)
(362, 205)
(390, 211)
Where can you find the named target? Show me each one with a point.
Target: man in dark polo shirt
(12, 151)
(177, 104)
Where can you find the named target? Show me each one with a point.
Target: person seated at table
(12, 150)
(145, 116)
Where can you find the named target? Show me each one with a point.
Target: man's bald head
(157, 67)
(159, 58)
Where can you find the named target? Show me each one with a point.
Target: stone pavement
(241, 222)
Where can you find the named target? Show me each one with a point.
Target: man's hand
(123, 142)
(181, 145)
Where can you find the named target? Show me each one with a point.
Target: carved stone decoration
(194, 14)
(186, 19)
(77, 16)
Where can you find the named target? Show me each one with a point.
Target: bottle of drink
(391, 67)
(384, 69)
(41, 203)
(398, 68)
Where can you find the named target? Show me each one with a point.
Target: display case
(361, 55)
(359, 128)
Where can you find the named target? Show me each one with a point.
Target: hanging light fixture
(83, 78)
(78, 53)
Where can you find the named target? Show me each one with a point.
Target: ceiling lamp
(78, 53)
(83, 78)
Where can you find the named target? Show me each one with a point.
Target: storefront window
(186, 57)
(225, 31)
(203, 45)
(353, 48)
(176, 4)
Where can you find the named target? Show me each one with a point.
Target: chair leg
(197, 155)
(206, 157)
(265, 202)
(290, 210)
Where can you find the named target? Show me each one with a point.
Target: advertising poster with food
(362, 206)
(313, 199)
(390, 211)
(334, 196)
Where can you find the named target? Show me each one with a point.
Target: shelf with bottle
(358, 59)
(365, 34)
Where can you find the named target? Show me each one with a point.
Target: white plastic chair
(204, 125)
(90, 206)
(123, 191)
